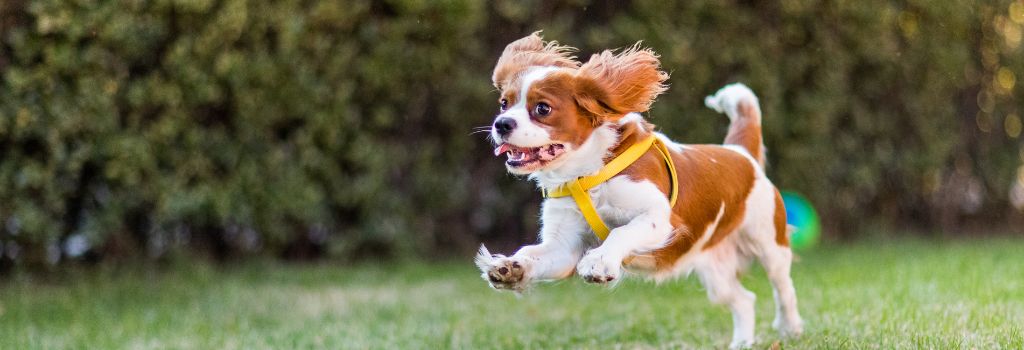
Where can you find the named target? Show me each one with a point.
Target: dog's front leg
(561, 246)
(645, 232)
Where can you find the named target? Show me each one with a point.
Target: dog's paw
(741, 344)
(788, 328)
(501, 272)
(598, 267)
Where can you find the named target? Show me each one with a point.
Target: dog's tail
(741, 106)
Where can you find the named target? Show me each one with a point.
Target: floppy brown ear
(530, 51)
(611, 85)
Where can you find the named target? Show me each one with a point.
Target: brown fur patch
(781, 233)
(527, 52)
(709, 176)
(615, 84)
(566, 122)
(745, 131)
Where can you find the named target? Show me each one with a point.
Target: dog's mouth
(529, 158)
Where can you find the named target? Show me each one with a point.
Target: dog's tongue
(501, 149)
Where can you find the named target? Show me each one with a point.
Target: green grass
(884, 295)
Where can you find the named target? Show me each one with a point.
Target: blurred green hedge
(309, 128)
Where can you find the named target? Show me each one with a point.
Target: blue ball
(801, 215)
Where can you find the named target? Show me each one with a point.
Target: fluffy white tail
(740, 104)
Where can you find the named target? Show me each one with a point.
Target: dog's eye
(542, 109)
(504, 105)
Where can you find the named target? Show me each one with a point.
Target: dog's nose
(504, 125)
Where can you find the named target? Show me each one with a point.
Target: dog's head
(550, 104)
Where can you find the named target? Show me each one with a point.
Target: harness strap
(673, 188)
(578, 188)
(586, 205)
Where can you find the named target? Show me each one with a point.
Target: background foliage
(304, 128)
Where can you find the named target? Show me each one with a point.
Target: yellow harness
(578, 188)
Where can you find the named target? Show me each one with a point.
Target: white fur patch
(633, 118)
(638, 214)
(586, 159)
(672, 145)
(727, 100)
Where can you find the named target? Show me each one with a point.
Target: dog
(665, 210)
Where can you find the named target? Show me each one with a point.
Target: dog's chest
(620, 200)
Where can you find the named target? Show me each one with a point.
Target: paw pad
(598, 279)
(506, 273)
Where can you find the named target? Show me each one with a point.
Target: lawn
(906, 294)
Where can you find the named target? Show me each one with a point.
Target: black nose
(504, 125)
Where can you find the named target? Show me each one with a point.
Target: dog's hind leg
(719, 271)
(776, 261)
(777, 257)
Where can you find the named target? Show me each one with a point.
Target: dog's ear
(527, 52)
(611, 85)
